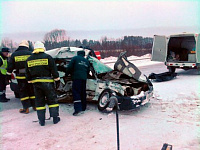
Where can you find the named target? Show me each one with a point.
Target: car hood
(123, 65)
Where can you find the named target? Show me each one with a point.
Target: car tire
(103, 100)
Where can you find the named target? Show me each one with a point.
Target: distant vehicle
(177, 51)
(126, 81)
(98, 55)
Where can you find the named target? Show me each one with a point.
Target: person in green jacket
(4, 53)
(78, 68)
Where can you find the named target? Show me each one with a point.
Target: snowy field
(172, 116)
(138, 61)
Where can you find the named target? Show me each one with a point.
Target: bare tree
(6, 42)
(55, 36)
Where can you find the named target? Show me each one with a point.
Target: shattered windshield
(99, 67)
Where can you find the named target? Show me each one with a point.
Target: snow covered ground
(172, 116)
(138, 61)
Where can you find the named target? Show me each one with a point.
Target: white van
(177, 51)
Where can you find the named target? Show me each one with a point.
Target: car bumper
(128, 103)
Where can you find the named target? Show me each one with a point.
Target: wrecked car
(124, 81)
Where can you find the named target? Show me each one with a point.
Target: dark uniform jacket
(18, 60)
(41, 66)
(78, 67)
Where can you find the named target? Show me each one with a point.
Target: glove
(8, 79)
(57, 84)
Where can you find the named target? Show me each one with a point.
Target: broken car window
(99, 67)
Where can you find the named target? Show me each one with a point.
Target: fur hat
(24, 43)
(39, 45)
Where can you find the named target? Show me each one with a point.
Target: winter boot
(41, 116)
(24, 111)
(7, 99)
(77, 113)
(42, 122)
(3, 98)
(54, 111)
(56, 120)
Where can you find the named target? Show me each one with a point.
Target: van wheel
(104, 99)
(171, 69)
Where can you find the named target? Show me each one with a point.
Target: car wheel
(104, 99)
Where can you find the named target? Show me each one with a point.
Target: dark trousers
(2, 86)
(45, 90)
(79, 94)
(26, 93)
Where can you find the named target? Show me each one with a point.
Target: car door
(198, 48)
(159, 50)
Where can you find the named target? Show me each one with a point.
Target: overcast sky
(23, 16)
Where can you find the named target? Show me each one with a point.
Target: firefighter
(42, 72)
(79, 69)
(4, 53)
(17, 61)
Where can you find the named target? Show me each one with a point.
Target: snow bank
(111, 58)
(144, 60)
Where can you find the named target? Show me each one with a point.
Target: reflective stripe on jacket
(18, 61)
(41, 67)
(41, 80)
(4, 66)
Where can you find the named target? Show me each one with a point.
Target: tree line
(134, 45)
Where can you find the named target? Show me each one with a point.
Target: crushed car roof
(122, 64)
(66, 52)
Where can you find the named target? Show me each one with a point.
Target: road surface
(172, 116)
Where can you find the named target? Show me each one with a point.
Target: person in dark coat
(4, 53)
(17, 62)
(41, 71)
(79, 69)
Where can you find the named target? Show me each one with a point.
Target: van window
(181, 49)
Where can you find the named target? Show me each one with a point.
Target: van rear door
(159, 50)
(198, 49)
